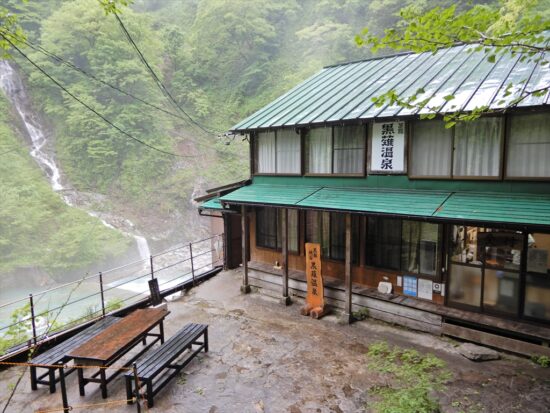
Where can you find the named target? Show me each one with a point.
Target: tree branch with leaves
(515, 28)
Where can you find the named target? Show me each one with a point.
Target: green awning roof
(475, 207)
(213, 204)
(510, 208)
(284, 195)
(384, 201)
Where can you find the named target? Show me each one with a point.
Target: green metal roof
(468, 206)
(384, 201)
(510, 208)
(269, 194)
(344, 92)
(214, 204)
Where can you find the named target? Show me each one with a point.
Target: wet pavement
(265, 357)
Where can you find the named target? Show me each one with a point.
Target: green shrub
(412, 378)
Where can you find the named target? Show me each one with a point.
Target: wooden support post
(245, 287)
(347, 317)
(285, 299)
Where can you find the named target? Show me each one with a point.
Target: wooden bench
(57, 356)
(163, 357)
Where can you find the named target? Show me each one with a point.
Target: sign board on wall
(387, 153)
(409, 285)
(315, 300)
(425, 289)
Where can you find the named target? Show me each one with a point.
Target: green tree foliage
(93, 153)
(511, 27)
(37, 229)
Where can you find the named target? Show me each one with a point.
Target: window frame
(254, 153)
(277, 223)
(521, 272)
(508, 127)
(305, 156)
(502, 150)
(440, 252)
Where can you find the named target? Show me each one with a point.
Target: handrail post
(152, 269)
(192, 266)
(31, 301)
(102, 293)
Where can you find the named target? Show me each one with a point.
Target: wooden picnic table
(113, 343)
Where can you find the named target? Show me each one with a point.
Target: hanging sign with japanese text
(315, 292)
(388, 147)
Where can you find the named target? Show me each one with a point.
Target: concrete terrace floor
(267, 358)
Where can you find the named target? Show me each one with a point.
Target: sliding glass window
(409, 246)
(278, 152)
(485, 269)
(537, 288)
(269, 228)
(468, 150)
(529, 146)
(336, 150)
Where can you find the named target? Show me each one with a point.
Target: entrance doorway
(485, 269)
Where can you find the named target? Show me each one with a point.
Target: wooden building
(457, 219)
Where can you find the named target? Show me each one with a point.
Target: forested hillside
(219, 59)
(37, 229)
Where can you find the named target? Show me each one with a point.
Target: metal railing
(28, 321)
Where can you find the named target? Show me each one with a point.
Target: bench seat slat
(168, 351)
(162, 359)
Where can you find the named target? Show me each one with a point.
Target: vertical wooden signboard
(315, 302)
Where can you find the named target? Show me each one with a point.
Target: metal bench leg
(150, 393)
(206, 340)
(161, 329)
(51, 373)
(129, 394)
(34, 385)
(103, 377)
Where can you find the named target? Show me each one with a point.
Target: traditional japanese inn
(437, 228)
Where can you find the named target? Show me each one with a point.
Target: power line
(59, 59)
(157, 80)
(102, 117)
(78, 69)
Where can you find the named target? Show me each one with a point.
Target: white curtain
(288, 152)
(349, 149)
(265, 150)
(431, 149)
(529, 146)
(319, 151)
(477, 147)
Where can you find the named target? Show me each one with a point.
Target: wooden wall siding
(270, 285)
(425, 316)
(367, 276)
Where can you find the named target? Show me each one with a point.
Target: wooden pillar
(245, 287)
(347, 317)
(285, 299)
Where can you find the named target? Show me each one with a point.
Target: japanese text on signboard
(388, 147)
(315, 292)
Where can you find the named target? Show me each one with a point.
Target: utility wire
(72, 66)
(157, 80)
(102, 117)
(59, 59)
